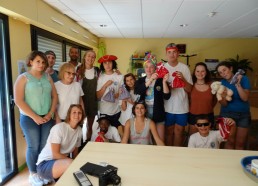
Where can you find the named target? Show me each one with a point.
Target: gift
(224, 128)
(110, 96)
(234, 80)
(161, 70)
(177, 82)
(124, 93)
(99, 138)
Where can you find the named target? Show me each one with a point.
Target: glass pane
(7, 165)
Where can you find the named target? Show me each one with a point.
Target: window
(45, 44)
(8, 165)
(43, 40)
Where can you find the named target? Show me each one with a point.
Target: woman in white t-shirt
(88, 77)
(68, 91)
(64, 138)
(127, 104)
(109, 80)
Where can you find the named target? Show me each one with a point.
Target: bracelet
(52, 114)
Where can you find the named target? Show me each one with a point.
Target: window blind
(45, 44)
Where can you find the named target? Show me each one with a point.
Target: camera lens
(114, 178)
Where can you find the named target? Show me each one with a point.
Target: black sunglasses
(202, 124)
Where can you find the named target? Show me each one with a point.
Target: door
(8, 159)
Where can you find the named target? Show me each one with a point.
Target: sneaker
(35, 180)
(46, 181)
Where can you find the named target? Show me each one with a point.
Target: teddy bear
(218, 89)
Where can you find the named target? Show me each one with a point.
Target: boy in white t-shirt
(206, 138)
(105, 132)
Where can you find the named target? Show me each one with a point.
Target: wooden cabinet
(253, 98)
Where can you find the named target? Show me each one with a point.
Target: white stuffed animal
(218, 89)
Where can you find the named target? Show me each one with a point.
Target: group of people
(53, 106)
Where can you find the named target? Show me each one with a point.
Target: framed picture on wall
(22, 67)
(181, 48)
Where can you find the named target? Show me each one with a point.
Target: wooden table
(162, 165)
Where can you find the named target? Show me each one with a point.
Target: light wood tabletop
(162, 165)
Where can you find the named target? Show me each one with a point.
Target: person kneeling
(206, 138)
(64, 138)
(105, 132)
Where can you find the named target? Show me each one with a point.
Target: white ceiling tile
(162, 18)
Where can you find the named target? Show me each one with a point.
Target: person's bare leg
(90, 121)
(231, 141)
(178, 135)
(241, 138)
(192, 129)
(161, 131)
(169, 135)
(60, 167)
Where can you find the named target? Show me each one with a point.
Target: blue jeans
(36, 138)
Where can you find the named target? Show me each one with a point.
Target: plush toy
(218, 89)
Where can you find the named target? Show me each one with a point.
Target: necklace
(200, 83)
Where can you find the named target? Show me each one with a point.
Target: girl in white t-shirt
(108, 80)
(68, 91)
(64, 138)
(127, 104)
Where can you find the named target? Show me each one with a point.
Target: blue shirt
(236, 104)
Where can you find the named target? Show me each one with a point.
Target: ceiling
(162, 18)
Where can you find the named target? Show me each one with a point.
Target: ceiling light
(57, 21)
(72, 29)
(94, 41)
(184, 25)
(211, 14)
(103, 25)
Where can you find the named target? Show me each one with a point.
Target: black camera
(107, 175)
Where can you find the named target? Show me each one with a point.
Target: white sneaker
(35, 180)
(45, 181)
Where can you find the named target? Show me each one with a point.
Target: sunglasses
(202, 124)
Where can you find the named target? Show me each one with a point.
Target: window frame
(35, 31)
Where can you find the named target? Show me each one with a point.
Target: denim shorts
(242, 119)
(44, 169)
(172, 119)
(150, 111)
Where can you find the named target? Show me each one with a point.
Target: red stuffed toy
(99, 139)
(224, 128)
(177, 82)
(161, 70)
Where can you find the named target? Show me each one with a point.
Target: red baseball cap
(106, 58)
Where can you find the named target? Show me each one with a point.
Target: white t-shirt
(178, 102)
(212, 141)
(62, 134)
(112, 133)
(104, 106)
(89, 74)
(67, 95)
(127, 114)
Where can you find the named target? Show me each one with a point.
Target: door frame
(9, 97)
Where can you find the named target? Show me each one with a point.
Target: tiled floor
(21, 179)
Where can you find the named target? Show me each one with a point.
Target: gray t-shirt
(140, 138)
